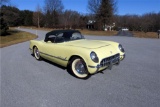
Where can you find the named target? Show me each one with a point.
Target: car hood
(89, 44)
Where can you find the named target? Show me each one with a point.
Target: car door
(54, 50)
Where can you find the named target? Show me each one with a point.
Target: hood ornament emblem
(111, 52)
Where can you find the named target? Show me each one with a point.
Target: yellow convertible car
(80, 56)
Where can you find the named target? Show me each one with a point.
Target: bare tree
(148, 22)
(103, 10)
(53, 9)
(37, 16)
(70, 19)
(51, 5)
(93, 6)
(83, 21)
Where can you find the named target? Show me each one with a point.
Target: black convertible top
(56, 32)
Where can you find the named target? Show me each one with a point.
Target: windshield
(65, 37)
(76, 36)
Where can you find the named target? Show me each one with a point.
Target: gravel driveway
(26, 82)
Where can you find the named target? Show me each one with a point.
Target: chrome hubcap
(80, 68)
(36, 53)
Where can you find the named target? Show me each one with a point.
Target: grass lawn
(14, 36)
(145, 35)
(98, 33)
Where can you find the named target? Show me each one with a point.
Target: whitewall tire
(36, 53)
(78, 68)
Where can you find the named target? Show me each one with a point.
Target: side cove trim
(58, 57)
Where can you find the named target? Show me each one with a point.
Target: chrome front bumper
(109, 65)
(122, 57)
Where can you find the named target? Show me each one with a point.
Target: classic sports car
(80, 56)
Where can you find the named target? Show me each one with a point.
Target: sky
(138, 7)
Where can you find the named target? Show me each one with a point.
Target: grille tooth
(107, 60)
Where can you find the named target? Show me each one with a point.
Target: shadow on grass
(10, 32)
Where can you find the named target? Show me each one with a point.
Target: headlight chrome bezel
(121, 48)
(94, 57)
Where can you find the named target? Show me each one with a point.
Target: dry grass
(104, 33)
(35, 28)
(84, 31)
(14, 37)
(145, 35)
(101, 33)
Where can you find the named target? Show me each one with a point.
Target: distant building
(124, 29)
(108, 27)
(90, 24)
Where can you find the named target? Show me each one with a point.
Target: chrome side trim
(92, 66)
(98, 66)
(63, 59)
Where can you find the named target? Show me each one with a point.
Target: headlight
(94, 57)
(121, 48)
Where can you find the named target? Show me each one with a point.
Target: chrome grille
(107, 61)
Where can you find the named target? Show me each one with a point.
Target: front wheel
(37, 53)
(78, 68)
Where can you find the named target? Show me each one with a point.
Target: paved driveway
(26, 82)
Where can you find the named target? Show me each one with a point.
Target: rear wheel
(37, 53)
(78, 68)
